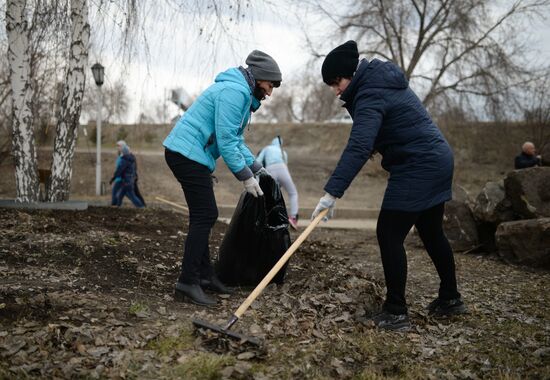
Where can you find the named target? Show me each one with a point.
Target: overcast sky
(179, 56)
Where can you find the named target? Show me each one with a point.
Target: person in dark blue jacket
(212, 127)
(389, 118)
(126, 171)
(528, 157)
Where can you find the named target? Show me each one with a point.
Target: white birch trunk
(71, 104)
(23, 145)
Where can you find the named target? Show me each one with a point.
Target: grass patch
(137, 307)
(204, 366)
(166, 346)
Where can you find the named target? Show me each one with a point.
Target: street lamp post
(98, 72)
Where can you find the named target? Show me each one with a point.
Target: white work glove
(327, 201)
(253, 187)
(262, 171)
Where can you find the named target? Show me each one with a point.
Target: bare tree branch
(456, 48)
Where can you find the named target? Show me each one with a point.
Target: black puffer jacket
(523, 161)
(389, 118)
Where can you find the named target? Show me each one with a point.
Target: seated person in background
(527, 158)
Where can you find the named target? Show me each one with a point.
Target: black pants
(392, 228)
(196, 182)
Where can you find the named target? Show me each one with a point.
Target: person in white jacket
(275, 160)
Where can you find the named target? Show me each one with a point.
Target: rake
(226, 330)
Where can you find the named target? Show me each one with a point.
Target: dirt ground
(88, 294)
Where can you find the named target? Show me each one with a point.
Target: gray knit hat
(263, 67)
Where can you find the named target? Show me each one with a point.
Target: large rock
(460, 226)
(529, 192)
(545, 153)
(525, 242)
(461, 194)
(491, 204)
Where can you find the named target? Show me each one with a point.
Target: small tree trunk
(23, 144)
(71, 104)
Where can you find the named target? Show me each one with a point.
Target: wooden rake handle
(173, 204)
(268, 277)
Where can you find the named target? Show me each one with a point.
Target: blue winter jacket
(214, 126)
(127, 169)
(117, 164)
(390, 119)
(273, 154)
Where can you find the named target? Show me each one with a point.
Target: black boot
(214, 284)
(194, 293)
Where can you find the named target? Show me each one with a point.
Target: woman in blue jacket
(212, 127)
(388, 118)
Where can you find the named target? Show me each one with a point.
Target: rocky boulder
(491, 204)
(525, 242)
(545, 155)
(529, 192)
(460, 194)
(460, 226)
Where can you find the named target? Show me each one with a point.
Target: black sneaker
(446, 308)
(393, 322)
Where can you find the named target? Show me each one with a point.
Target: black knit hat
(264, 67)
(340, 62)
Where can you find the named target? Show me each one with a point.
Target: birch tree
(23, 141)
(133, 15)
(71, 104)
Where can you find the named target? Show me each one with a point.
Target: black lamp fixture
(98, 71)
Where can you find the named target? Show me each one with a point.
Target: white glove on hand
(327, 201)
(262, 171)
(253, 187)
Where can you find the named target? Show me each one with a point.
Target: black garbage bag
(256, 238)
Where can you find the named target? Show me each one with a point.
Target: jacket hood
(375, 74)
(233, 75)
(276, 142)
(129, 157)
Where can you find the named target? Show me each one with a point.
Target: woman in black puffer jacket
(388, 118)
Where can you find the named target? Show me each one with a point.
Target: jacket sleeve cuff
(331, 190)
(244, 174)
(255, 166)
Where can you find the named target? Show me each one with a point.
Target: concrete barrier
(67, 205)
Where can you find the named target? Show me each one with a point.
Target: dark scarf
(252, 84)
(247, 73)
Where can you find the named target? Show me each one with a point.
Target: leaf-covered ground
(89, 295)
